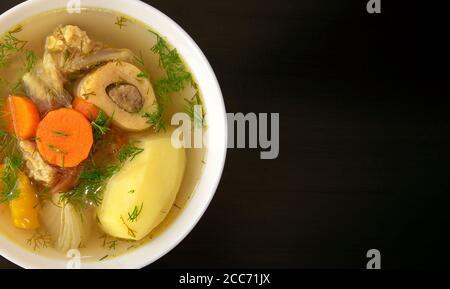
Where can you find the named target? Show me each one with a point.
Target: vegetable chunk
(24, 115)
(24, 209)
(141, 194)
(64, 137)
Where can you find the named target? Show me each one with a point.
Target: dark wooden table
(364, 134)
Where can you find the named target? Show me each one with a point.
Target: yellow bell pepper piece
(24, 209)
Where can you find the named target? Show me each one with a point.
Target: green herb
(101, 125)
(139, 60)
(108, 244)
(156, 118)
(131, 247)
(30, 60)
(112, 244)
(131, 232)
(92, 179)
(87, 94)
(103, 258)
(56, 149)
(194, 108)
(131, 192)
(143, 74)
(44, 195)
(28, 63)
(12, 162)
(60, 133)
(121, 21)
(9, 178)
(10, 45)
(129, 151)
(135, 213)
(39, 240)
(177, 76)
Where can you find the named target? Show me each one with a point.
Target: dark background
(364, 132)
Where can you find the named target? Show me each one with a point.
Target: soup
(86, 152)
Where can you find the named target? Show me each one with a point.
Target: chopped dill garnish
(101, 124)
(121, 21)
(131, 232)
(87, 94)
(103, 258)
(30, 60)
(194, 108)
(129, 151)
(143, 74)
(177, 76)
(44, 194)
(12, 160)
(60, 133)
(135, 213)
(112, 244)
(92, 179)
(10, 45)
(131, 191)
(56, 149)
(39, 240)
(131, 247)
(156, 118)
(16, 87)
(107, 243)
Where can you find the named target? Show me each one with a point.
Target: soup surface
(87, 161)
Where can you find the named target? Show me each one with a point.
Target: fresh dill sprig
(129, 152)
(107, 243)
(132, 216)
(9, 178)
(10, 45)
(131, 232)
(101, 124)
(121, 21)
(177, 76)
(104, 257)
(92, 179)
(140, 61)
(60, 133)
(194, 108)
(12, 160)
(39, 240)
(30, 60)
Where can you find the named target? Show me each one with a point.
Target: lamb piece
(66, 180)
(72, 51)
(68, 52)
(45, 88)
(37, 168)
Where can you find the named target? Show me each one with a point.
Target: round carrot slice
(64, 137)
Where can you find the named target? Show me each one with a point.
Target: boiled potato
(141, 194)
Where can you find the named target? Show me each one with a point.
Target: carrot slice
(85, 107)
(24, 115)
(64, 137)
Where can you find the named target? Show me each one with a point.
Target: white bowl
(216, 138)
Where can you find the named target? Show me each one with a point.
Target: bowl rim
(216, 137)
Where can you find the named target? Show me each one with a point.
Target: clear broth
(101, 26)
